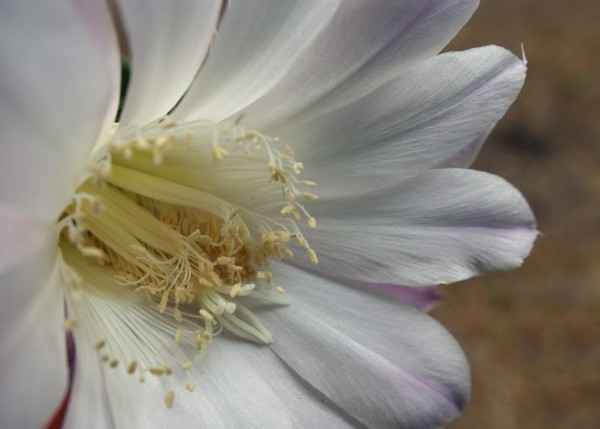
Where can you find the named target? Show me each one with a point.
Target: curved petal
(59, 87)
(414, 122)
(363, 46)
(33, 363)
(466, 156)
(384, 362)
(168, 40)
(440, 227)
(254, 49)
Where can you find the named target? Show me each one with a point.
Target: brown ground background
(533, 336)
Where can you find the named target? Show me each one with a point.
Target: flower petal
(412, 123)
(89, 406)
(239, 385)
(307, 407)
(33, 364)
(382, 361)
(168, 40)
(465, 157)
(361, 48)
(59, 88)
(439, 227)
(423, 298)
(254, 49)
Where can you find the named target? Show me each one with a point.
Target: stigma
(182, 220)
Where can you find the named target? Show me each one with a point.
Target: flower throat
(188, 216)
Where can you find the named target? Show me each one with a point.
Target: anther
(170, 398)
(206, 315)
(312, 256)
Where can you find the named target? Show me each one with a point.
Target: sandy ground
(533, 336)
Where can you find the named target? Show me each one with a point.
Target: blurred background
(533, 335)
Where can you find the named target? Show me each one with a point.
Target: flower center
(186, 216)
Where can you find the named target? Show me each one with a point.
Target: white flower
(179, 209)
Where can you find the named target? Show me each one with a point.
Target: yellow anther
(178, 335)
(312, 256)
(170, 398)
(206, 315)
(190, 386)
(309, 196)
(312, 222)
(157, 370)
(286, 210)
(308, 183)
(218, 153)
(298, 167)
(235, 289)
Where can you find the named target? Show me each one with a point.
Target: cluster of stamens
(192, 253)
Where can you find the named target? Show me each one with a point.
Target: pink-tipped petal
(442, 226)
(410, 124)
(383, 362)
(423, 297)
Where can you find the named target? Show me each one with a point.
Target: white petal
(89, 406)
(412, 123)
(33, 364)
(229, 394)
(466, 156)
(168, 40)
(59, 88)
(382, 361)
(255, 47)
(442, 226)
(307, 407)
(363, 46)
